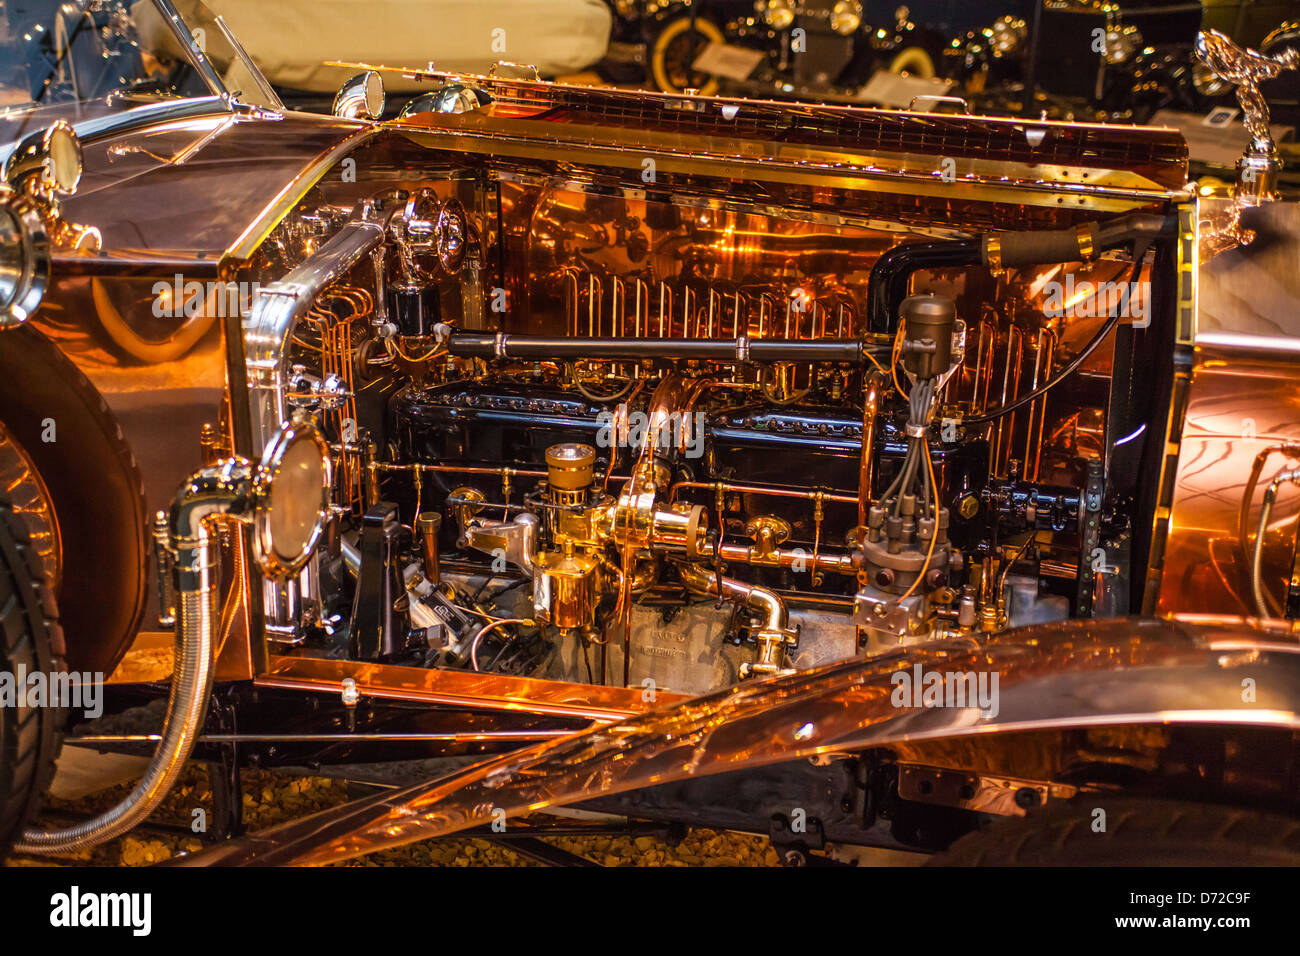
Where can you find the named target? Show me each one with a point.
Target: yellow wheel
(676, 48)
(914, 61)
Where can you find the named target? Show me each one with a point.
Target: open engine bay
(673, 428)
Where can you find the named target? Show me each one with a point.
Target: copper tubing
(875, 387)
(501, 472)
(775, 492)
(1291, 449)
(1262, 607)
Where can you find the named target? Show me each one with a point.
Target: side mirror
(361, 97)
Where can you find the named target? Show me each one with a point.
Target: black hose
(891, 275)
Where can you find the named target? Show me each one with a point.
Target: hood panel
(148, 206)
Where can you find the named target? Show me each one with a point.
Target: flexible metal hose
(186, 707)
(1257, 552)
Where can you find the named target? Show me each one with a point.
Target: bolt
(1027, 798)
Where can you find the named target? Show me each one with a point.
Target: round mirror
(361, 97)
(291, 498)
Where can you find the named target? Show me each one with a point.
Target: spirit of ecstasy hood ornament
(1246, 69)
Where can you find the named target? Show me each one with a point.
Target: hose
(196, 601)
(1257, 552)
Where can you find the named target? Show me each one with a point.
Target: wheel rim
(915, 62)
(675, 50)
(21, 484)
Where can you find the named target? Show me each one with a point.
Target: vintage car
(1095, 59)
(847, 476)
(1075, 58)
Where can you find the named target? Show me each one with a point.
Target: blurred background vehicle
(821, 49)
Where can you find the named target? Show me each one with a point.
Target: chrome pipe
(1257, 552)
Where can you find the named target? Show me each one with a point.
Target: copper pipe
(1044, 355)
(731, 487)
(875, 387)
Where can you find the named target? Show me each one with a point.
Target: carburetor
(567, 550)
(905, 553)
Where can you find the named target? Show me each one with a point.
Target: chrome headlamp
(1006, 35)
(290, 498)
(45, 161)
(846, 17)
(42, 163)
(778, 14)
(361, 97)
(285, 499)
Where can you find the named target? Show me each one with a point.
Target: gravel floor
(271, 798)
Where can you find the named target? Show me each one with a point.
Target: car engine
(667, 438)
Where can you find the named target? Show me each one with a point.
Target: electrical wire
(934, 537)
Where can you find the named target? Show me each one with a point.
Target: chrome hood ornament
(1246, 69)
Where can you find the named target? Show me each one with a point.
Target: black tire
(96, 490)
(1138, 832)
(30, 638)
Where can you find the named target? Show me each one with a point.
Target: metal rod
(743, 349)
(364, 737)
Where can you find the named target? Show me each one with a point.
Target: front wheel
(31, 642)
(1127, 831)
(674, 51)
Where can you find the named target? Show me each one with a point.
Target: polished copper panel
(464, 688)
(1243, 401)
(1116, 672)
